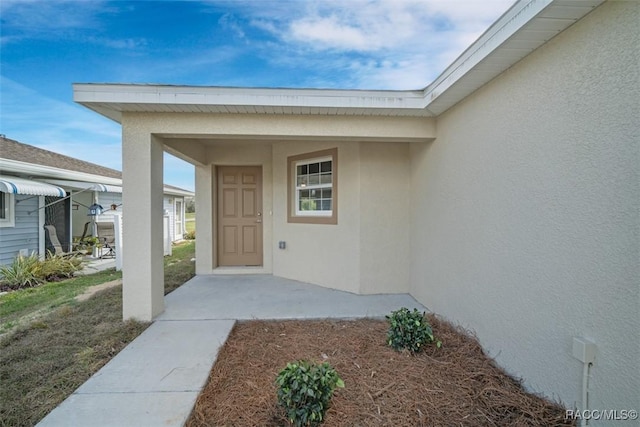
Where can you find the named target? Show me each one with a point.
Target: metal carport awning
(83, 185)
(15, 185)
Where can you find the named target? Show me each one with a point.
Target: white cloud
(329, 32)
(39, 17)
(60, 20)
(368, 25)
(228, 21)
(358, 25)
(406, 43)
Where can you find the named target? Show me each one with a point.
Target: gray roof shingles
(14, 150)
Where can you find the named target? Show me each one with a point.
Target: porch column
(142, 267)
(204, 219)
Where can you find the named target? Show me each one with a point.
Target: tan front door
(239, 215)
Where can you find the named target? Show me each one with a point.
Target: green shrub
(23, 272)
(190, 235)
(29, 271)
(409, 329)
(305, 390)
(86, 245)
(57, 267)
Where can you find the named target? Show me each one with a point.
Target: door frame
(178, 213)
(216, 241)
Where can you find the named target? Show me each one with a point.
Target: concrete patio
(156, 379)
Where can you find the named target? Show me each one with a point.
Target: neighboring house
(39, 187)
(504, 196)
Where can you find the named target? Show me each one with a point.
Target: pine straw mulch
(455, 385)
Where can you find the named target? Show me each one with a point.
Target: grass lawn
(55, 343)
(190, 223)
(27, 304)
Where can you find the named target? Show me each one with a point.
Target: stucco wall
(326, 255)
(319, 253)
(384, 217)
(368, 250)
(525, 212)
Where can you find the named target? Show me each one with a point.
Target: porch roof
(527, 25)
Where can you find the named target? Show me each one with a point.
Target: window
(313, 187)
(6, 210)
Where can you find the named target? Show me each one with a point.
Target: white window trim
(312, 187)
(9, 219)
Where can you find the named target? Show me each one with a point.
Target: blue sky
(46, 45)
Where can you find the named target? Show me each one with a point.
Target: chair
(106, 233)
(53, 239)
(84, 232)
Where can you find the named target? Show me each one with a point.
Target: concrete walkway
(156, 379)
(94, 265)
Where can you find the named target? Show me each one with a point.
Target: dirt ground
(454, 385)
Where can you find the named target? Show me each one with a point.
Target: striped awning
(15, 185)
(83, 185)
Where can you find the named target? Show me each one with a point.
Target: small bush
(29, 271)
(58, 267)
(86, 245)
(410, 330)
(305, 390)
(23, 272)
(190, 235)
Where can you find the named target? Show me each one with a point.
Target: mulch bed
(454, 385)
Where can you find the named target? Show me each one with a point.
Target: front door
(239, 215)
(179, 229)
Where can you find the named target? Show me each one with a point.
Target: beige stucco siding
(367, 251)
(384, 217)
(142, 173)
(373, 159)
(205, 260)
(524, 212)
(319, 253)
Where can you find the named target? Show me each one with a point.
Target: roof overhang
(82, 185)
(33, 170)
(111, 100)
(71, 179)
(179, 192)
(527, 25)
(15, 185)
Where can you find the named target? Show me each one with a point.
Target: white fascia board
(29, 169)
(96, 96)
(177, 192)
